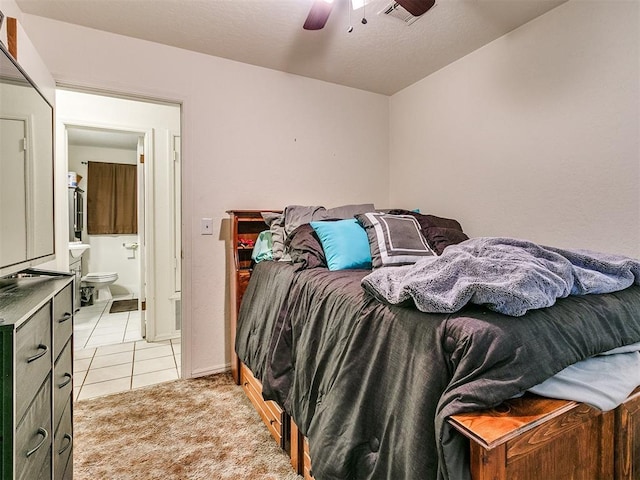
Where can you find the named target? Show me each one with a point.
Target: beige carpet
(194, 429)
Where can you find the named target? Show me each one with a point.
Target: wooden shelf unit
(246, 225)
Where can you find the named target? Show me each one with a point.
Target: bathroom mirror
(26, 170)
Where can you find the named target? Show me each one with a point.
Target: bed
(381, 391)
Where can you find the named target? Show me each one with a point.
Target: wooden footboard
(536, 438)
(533, 438)
(627, 438)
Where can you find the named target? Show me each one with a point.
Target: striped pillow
(394, 239)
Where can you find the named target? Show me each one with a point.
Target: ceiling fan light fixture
(318, 15)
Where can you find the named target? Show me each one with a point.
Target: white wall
(107, 253)
(534, 135)
(28, 54)
(252, 138)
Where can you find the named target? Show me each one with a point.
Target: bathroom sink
(77, 249)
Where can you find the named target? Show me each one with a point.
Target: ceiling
(95, 137)
(384, 55)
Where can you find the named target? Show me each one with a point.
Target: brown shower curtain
(112, 206)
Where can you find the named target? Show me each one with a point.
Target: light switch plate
(206, 226)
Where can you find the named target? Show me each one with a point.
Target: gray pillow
(276, 225)
(347, 211)
(394, 239)
(283, 224)
(296, 215)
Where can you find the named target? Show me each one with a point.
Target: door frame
(184, 101)
(143, 142)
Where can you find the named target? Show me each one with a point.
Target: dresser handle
(66, 447)
(45, 435)
(44, 349)
(65, 317)
(68, 377)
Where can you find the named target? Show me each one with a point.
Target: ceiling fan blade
(318, 15)
(416, 7)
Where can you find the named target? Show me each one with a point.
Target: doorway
(141, 345)
(112, 313)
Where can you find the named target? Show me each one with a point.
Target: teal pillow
(345, 244)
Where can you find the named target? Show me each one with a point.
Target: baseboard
(164, 338)
(201, 372)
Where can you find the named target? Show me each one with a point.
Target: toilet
(100, 282)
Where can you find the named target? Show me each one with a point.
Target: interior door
(13, 195)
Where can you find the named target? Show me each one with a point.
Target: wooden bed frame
(530, 438)
(537, 438)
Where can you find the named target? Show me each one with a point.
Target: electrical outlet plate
(206, 226)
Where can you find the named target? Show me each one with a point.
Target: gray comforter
(372, 384)
(506, 275)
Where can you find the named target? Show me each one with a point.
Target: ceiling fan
(321, 9)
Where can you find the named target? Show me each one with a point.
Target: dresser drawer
(33, 357)
(62, 319)
(45, 473)
(270, 412)
(68, 473)
(34, 438)
(62, 383)
(63, 444)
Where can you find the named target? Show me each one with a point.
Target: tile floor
(110, 355)
(94, 326)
